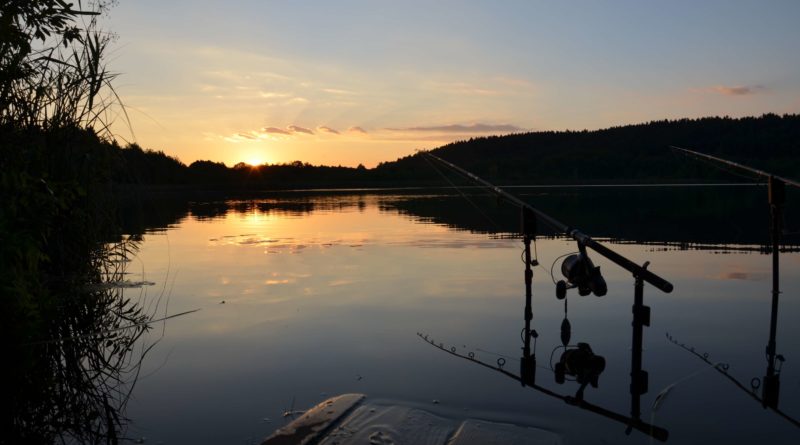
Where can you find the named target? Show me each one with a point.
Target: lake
(308, 295)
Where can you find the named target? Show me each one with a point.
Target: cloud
(515, 83)
(338, 91)
(297, 100)
(273, 130)
(357, 130)
(273, 95)
(464, 88)
(287, 132)
(240, 137)
(259, 135)
(325, 129)
(460, 128)
(296, 129)
(742, 90)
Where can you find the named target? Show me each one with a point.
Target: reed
(74, 343)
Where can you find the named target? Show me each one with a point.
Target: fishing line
(536, 261)
(166, 277)
(719, 167)
(158, 368)
(650, 430)
(488, 218)
(662, 395)
(507, 357)
(734, 168)
(553, 352)
(722, 368)
(122, 328)
(543, 218)
(552, 266)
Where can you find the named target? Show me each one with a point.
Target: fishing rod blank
(776, 196)
(577, 235)
(654, 431)
(582, 274)
(736, 165)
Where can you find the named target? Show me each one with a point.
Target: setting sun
(254, 162)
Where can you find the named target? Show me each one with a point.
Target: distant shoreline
(222, 192)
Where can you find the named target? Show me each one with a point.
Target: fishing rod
(656, 432)
(582, 239)
(580, 273)
(729, 163)
(722, 368)
(776, 196)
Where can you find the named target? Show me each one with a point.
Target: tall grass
(52, 65)
(71, 341)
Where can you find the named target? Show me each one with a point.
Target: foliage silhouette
(68, 332)
(629, 154)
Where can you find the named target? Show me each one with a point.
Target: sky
(362, 82)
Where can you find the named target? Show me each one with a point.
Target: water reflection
(331, 310)
(769, 384)
(724, 219)
(767, 396)
(72, 375)
(578, 362)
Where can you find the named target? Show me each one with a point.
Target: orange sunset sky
(352, 82)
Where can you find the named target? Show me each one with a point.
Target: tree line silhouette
(625, 154)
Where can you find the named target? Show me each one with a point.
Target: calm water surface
(305, 297)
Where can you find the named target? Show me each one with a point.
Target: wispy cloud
(741, 90)
(357, 130)
(272, 95)
(338, 91)
(291, 131)
(433, 133)
(296, 129)
(242, 137)
(297, 100)
(258, 135)
(483, 87)
(464, 88)
(516, 83)
(461, 128)
(274, 130)
(325, 129)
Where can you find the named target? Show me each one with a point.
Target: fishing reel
(580, 272)
(582, 364)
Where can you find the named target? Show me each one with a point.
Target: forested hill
(631, 153)
(627, 154)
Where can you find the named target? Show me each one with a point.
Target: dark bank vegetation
(68, 332)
